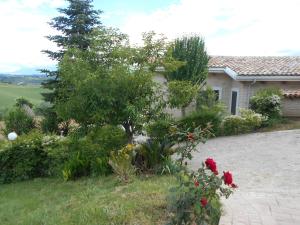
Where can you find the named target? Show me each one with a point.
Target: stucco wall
(227, 84)
(290, 107)
(248, 89)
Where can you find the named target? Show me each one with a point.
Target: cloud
(23, 30)
(231, 27)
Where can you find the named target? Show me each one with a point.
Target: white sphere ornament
(12, 136)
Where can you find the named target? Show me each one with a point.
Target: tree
(75, 25)
(190, 50)
(181, 94)
(111, 85)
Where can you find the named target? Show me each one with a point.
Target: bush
(121, 162)
(23, 159)
(160, 129)
(247, 122)
(90, 155)
(203, 118)
(267, 102)
(18, 121)
(196, 200)
(108, 137)
(152, 156)
(206, 99)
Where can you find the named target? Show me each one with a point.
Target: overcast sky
(229, 27)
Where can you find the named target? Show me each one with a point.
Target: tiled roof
(291, 93)
(258, 65)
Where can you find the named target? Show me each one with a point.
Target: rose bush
(197, 198)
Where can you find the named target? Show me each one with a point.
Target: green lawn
(87, 201)
(10, 92)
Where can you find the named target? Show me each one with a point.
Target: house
(236, 78)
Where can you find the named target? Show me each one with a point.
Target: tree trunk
(183, 111)
(129, 132)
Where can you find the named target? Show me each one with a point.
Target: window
(234, 101)
(218, 93)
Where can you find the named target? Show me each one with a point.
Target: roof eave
(269, 78)
(237, 77)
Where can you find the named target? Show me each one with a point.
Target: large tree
(112, 83)
(75, 25)
(190, 50)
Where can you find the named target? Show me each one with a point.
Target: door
(234, 98)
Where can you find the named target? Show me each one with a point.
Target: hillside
(10, 92)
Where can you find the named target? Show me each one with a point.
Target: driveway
(266, 167)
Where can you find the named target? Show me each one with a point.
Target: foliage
(18, 121)
(75, 24)
(50, 121)
(76, 167)
(122, 93)
(121, 162)
(267, 102)
(109, 137)
(159, 130)
(206, 99)
(247, 122)
(153, 156)
(204, 117)
(190, 50)
(187, 140)
(196, 200)
(23, 159)
(181, 94)
(23, 101)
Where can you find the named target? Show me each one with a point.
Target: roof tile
(259, 65)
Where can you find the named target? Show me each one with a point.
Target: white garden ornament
(12, 136)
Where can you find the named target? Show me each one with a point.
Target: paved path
(266, 167)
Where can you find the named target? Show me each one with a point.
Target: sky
(229, 27)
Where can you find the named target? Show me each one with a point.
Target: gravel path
(266, 167)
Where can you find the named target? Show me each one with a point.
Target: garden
(103, 150)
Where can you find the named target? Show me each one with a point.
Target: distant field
(10, 92)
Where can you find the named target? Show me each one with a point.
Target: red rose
(234, 185)
(196, 183)
(211, 164)
(227, 178)
(190, 137)
(203, 201)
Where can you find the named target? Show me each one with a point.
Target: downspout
(249, 89)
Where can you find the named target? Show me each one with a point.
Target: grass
(86, 201)
(286, 124)
(10, 92)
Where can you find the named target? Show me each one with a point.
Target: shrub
(77, 166)
(206, 99)
(203, 118)
(267, 102)
(108, 137)
(152, 156)
(20, 102)
(247, 122)
(18, 121)
(196, 200)
(160, 129)
(23, 159)
(121, 162)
